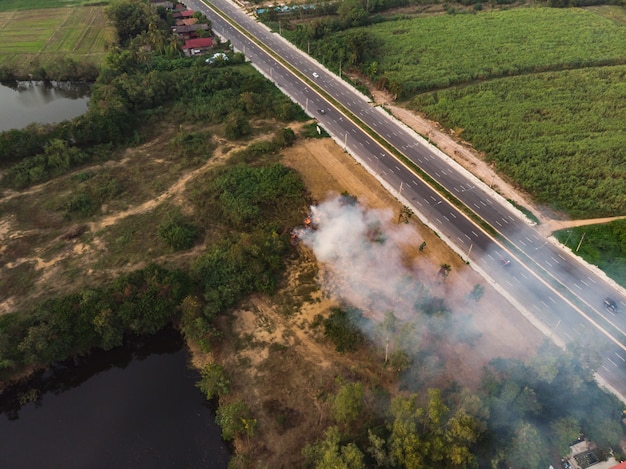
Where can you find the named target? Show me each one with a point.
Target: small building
(197, 46)
(190, 31)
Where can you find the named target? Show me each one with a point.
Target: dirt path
(175, 190)
(554, 225)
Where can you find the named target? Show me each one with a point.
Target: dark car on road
(610, 304)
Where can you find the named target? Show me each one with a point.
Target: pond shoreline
(135, 398)
(41, 102)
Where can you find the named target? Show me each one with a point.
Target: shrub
(234, 419)
(341, 331)
(177, 232)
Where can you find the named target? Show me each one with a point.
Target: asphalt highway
(553, 289)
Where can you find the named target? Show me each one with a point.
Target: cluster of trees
(521, 413)
(142, 302)
(420, 431)
(62, 69)
(243, 209)
(550, 401)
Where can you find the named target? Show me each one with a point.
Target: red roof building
(198, 43)
(187, 13)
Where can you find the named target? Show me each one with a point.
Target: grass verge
(602, 245)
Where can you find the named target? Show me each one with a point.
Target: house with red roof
(197, 46)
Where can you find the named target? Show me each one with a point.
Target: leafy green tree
(377, 449)
(252, 196)
(109, 327)
(147, 298)
(196, 325)
(59, 157)
(234, 419)
(214, 381)
(564, 431)
(353, 12)
(341, 331)
(399, 361)
(348, 403)
(329, 453)
(528, 449)
(430, 436)
(237, 266)
(477, 293)
(236, 126)
(284, 137)
(130, 18)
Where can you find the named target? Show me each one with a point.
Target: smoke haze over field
(363, 249)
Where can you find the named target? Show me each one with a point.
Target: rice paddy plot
(21, 5)
(43, 36)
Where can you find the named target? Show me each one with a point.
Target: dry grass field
(41, 37)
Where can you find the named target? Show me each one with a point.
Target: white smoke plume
(362, 251)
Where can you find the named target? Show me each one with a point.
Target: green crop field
(20, 5)
(434, 52)
(34, 38)
(560, 135)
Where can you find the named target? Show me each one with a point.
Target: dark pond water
(25, 102)
(133, 407)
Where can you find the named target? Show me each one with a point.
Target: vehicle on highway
(505, 262)
(321, 111)
(316, 75)
(610, 304)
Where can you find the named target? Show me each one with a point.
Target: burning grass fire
(362, 249)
